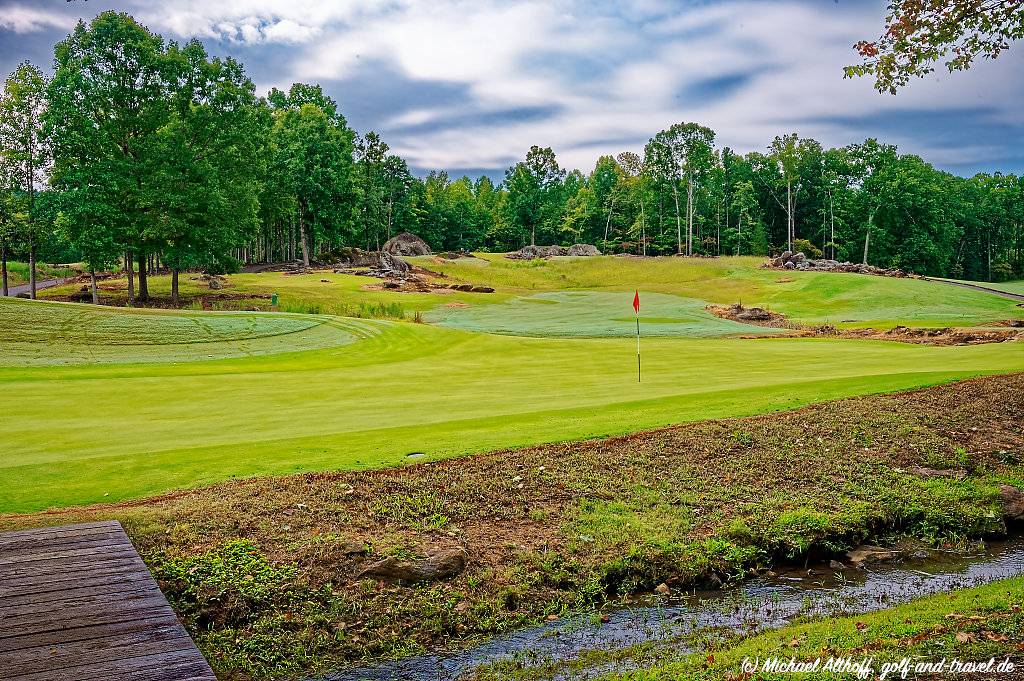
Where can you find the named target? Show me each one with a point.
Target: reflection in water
(761, 603)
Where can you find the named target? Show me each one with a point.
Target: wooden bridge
(77, 603)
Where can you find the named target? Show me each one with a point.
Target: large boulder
(583, 250)
(442, 564)
(405, 244)
(1013, 503)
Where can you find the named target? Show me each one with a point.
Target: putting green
(104, 432)
(594, 314)
(849, 300)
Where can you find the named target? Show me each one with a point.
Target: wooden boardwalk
(77, 603)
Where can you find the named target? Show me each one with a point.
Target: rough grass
(114, 431)
(263, 571)
(18, 272)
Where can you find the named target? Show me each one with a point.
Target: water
(758, 604)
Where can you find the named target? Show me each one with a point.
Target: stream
(755, 605)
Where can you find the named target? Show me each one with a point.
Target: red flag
(636, 302)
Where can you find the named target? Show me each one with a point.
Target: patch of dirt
(904, 334)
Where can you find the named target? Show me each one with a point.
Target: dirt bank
(1008, 330)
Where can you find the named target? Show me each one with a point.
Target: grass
(850, 300)
(594, 314)
(263, 571)
(18, 272)
(59, 333)
(972, 625)
(175, 415)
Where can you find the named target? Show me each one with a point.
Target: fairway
(163, 415)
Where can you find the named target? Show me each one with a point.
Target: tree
(793, 155)
(25, 148)
(920, 33)
(108, 103)
(313, 156)
(683, 153)
(209, 154)
(744, 207)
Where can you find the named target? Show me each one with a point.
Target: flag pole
(637, 347)
(636, 311)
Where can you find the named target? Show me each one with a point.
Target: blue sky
(468, 86)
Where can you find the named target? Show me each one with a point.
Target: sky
(469, 86)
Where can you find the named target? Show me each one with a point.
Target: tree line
(144, 154)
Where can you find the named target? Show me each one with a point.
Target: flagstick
(637, 347)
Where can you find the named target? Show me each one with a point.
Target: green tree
(683, 153)
(313, 157)
(108, 102)
(25, 151)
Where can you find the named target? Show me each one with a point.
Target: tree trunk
(643, 230)
(608, 222)
(92, 286)
(32, 267)
(679, 227)
(304, 242)
(3, 266)
(689, 216)
(143, 278)
(789, 215)
(739, 233)
(129, 267)
(174, 287)
(867, 236)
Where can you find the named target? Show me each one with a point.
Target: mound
(406, 244)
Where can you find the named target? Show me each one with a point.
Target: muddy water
(755, 605)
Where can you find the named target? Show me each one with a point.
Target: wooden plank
(9, 548)
(83, 633)
(59, 532)
(76, 653)
(170, 666)
(77, 602)
(97, 584)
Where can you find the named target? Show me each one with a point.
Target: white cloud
(613, 74)
(25, 19)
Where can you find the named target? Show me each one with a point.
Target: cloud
(26, 19)
(473, 83)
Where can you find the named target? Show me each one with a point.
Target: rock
(754, 314)
(662, 589)
(798, 258)
(789, 265)
(481, 289)
(935, 473)
(866, 553)
(836, 565)
(392, 265)
(583, 250)
(443, 564)
(405, 244)
(534, 252)
(23, 296)
(215, 284)
(1013, 503)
